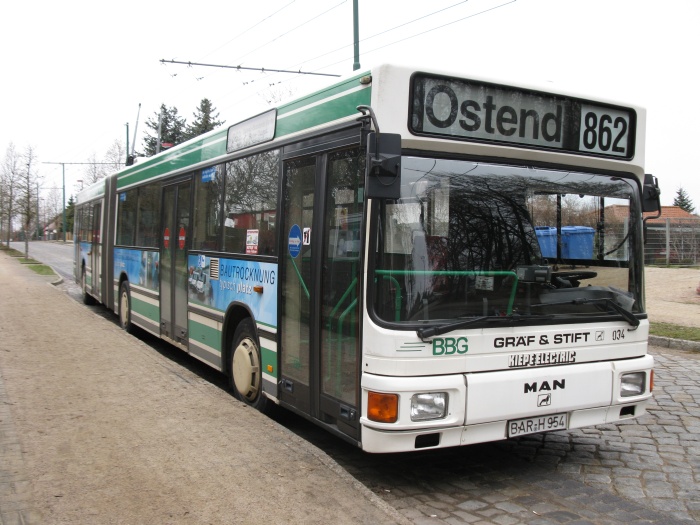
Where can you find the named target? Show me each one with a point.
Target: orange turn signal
(257, 288)
(651, 381)
(383, 408)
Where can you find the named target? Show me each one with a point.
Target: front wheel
(245, 367)
(125, 308)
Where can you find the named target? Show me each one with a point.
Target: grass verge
(12, 252)
(41, 269)
(675, 331)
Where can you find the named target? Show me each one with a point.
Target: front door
(320, 289)
(96, 251)
(173, 260)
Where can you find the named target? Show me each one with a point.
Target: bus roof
(387, 88)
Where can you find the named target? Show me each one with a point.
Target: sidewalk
(671, 297)
(96, 427)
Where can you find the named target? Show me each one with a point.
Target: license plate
(532, 425)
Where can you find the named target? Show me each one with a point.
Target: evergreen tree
(205, 119)
(172, 130)
(70, 214)
(683, 201)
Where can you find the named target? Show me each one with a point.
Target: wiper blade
(607, 301)
(425, 333)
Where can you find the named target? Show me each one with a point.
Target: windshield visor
(469, 239)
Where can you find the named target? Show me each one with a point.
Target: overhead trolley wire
(250, 28)
(291, 30)
(423, 32)
(389, 30)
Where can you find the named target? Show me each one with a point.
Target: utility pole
(160, 126)
(356, 34)
(38, 225)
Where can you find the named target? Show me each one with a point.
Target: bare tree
(10, 180)
(115, 157)
(53, 204)
(27, 194)
(94, 171)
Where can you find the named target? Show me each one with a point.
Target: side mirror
(651, 194)
(383, 166)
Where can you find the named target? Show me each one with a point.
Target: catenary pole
(356, 34)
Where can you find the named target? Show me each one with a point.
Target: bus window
(148, 216)
(208, 186)
(250, 202)
(126, 217)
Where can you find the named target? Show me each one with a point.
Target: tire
(125, 308)
(245, 367)
(87, 298)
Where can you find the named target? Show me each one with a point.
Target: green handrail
(301, 279)
(461, 273)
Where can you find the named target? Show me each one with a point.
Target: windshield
(470, 239)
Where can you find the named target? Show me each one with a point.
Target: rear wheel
(125, 308)
(245, 367)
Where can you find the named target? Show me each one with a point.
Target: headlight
(428, 406)
(633, 384)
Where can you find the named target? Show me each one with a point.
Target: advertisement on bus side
(141, 267)
(216, 283)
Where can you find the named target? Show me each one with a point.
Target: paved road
(643, 471)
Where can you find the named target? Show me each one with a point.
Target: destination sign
(481, 112)
(255, 130)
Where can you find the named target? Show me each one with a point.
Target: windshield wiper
(425, 333)
(607, 301)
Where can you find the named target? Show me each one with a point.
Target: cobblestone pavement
(642, 471)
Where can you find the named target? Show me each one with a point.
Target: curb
(678, 344)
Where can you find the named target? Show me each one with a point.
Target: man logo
(544, 400)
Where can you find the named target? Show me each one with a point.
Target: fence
(673, 242)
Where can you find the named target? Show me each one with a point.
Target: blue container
(547, 237)
(577, 242)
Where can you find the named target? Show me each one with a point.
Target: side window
(126, 217)
(250, 204)
(77, 221)
(208, 186)
(148, 216)
(86, 224)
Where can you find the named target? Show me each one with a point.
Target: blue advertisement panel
(141, 267)
(216, 283)
(85, 248)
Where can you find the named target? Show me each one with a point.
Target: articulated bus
(408, 258)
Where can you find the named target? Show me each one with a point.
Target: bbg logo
(450, 345)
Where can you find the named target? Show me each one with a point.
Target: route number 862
(604, 130)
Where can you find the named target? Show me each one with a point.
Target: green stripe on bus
(205, 334)
(148, 310)
(326, 112)
(331, 91)
(269, 359)
(214, 145)
(198, 152)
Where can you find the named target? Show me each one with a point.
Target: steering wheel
(570, 279)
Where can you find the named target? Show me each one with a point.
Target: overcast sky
(74, 72)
